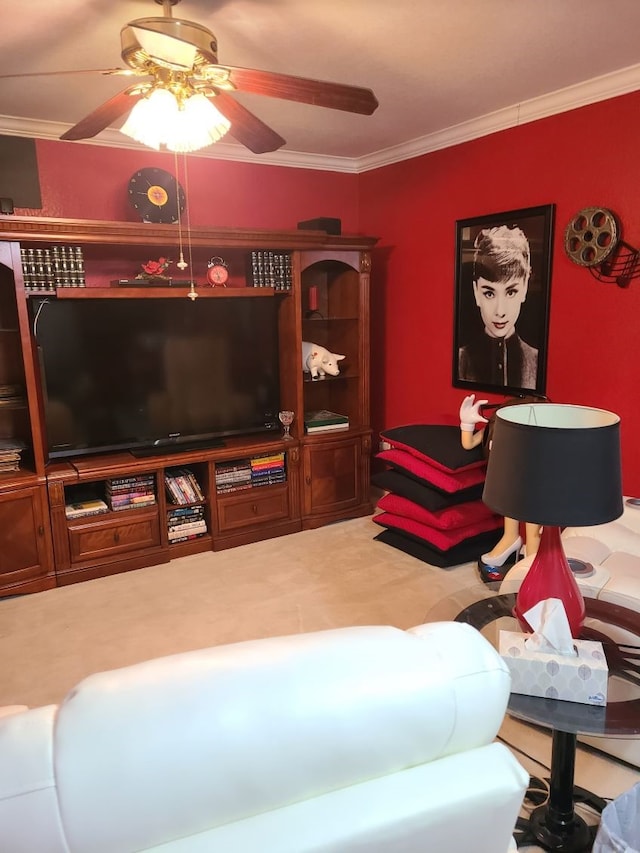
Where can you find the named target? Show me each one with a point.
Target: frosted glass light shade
(158, 120)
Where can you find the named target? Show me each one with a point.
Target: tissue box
(575, 679)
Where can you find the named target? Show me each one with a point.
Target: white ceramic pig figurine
(318, 361)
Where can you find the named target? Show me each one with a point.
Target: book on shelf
(189, 526)
(196, 511)
(78, 509)
(238, 487)
(327, 428)
(324, 417)
(126, 483)
(173, 540)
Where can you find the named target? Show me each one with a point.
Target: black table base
(554, 824)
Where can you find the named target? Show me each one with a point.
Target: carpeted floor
(330, 577)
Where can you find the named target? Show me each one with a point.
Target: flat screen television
(155, 375)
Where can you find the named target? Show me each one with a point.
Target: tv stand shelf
(327, 475)
(161, 292)
(115, 541)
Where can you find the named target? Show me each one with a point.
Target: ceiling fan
(182, 57)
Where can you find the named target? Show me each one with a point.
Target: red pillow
(465, 552)
(437, 444)
(440, 539)
(460, 515)
(421, 493)
(422, 470)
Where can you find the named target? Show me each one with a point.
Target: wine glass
(286, 419)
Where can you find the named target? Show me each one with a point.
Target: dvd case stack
(182, 486)
(233, 476)
(268, 469)
(12, 395)
(10, 451)
(131, 492)
(186, 523)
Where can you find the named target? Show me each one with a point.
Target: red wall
(578, 159)
(581, 158)
(90, 182)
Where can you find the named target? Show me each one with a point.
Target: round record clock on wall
(156, 195)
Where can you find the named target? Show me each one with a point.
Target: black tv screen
(155, 374)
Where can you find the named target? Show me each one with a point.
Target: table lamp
(557, 466)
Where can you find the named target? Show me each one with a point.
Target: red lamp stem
(551, 577)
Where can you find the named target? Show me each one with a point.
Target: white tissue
(551, 632)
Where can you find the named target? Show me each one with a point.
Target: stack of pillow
(433, 508)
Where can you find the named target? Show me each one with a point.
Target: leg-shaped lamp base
(551, 577)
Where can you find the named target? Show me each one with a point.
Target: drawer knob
(41, 530)
(116, 537)
(254, 509)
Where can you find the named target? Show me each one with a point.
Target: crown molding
(111, 138)
(602, 88)
(571, 97)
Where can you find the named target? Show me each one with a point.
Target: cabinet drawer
(259, 505)
(114, 535)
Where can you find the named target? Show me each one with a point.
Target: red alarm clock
(217, 272)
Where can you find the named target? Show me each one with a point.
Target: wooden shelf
(164, 292)
(31, 229)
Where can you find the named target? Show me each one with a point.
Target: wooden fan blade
(335, 96)
(103, 116)
(246, 127)
(124, 72)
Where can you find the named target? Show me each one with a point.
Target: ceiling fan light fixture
(159, 119)
(199, 124)
(150, 117)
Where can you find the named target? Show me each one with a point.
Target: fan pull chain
(181, 264)
(192, 292)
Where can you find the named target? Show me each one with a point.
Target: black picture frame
(514, 364)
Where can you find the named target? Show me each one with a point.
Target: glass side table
(555, 824)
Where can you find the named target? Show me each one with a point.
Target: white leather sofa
(359, 739)
(613, 549)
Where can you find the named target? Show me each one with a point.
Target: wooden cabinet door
(24, 542)
(331, 472)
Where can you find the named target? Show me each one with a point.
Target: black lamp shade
(556, 465)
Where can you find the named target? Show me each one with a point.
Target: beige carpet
(317, 579)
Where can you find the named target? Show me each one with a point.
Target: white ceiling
(442, 70)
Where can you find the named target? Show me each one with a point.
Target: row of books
(271, 269)
(136, 491)
(324, 420)
(10, 453)
(241, 474)
(185, 523)
(52, 267)
(182, 486)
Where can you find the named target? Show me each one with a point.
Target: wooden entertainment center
(327, 474)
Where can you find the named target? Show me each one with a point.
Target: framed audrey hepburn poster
(502, 285)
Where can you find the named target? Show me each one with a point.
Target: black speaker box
(6, 205)
(322, 223)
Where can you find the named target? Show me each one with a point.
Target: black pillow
(438, 444)
(468, 551)
(421, 492)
